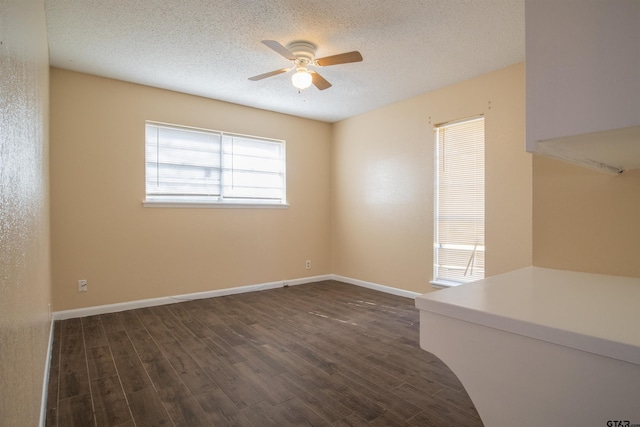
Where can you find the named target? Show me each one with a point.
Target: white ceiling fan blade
(280, 49)
(269, 74)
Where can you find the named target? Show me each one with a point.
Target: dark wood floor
(321, 354)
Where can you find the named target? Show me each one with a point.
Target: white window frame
(444, 280)
(223, 167)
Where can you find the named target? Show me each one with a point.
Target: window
(198, 166)
(459, 211)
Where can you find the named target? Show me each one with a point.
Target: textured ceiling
(210, 48)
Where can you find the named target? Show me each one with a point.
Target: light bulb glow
(301, 79)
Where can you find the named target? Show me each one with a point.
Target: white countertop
(590, 312)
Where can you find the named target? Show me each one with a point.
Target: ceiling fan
(302, 54)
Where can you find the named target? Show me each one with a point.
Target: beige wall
(102, 233)
(24, 211)
(382, 189)
(585, 220)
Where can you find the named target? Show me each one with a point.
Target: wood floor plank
(76, 411)
(326, 405)
(352, 365)
(143, 342)
(391, 419)
(380, 395)
(413, 395)
(428, 419)
(204, 357)
(71, 326)
(72, 346)
(147, 409)
(458, 399)
(132, 374)
(315, 358)
(100, 363)
(187, 412)
(130, 320)
(171, 394)
(292, 412)
(273, 387)
(109, 402)
(258, 356)
(224, 351)
(160, 371)
(220, 409)
(74, 378)
(352, 420)
(356, 400)
(242, 391)
(227, 334)
(271, 333)
(448, 413)
(153, 325)
(111, 322)
(204, 314)
(120, 344)
(52, 416)
(190, 342)
(192, 374)
(197, 328)
(94, 334)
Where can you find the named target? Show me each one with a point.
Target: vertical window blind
(459, 223)
(194, 165)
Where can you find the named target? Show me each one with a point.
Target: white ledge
(210, 205)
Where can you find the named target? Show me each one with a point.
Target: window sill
(211, 205)
(441, 284)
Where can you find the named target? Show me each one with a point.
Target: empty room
(346, 213)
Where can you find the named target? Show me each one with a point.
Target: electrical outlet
(82, 286)
(307, 265)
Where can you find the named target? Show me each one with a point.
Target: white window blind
(194, 165)
(459, 223)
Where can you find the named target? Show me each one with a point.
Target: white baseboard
(376, 287)
(45, 382)
(130, 305)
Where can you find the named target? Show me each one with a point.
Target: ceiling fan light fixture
(301, 79)
(302, 54)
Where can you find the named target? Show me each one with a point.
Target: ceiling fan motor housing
(304, 51)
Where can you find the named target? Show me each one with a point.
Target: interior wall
(126, 252)
(584, 220)
(25, 273)
(383, 188)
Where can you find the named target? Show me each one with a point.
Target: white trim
(151, 302)
(130, 305)
(376, 286)
(207, 130)
(166, 203)
(45, 381)
(458, 121)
